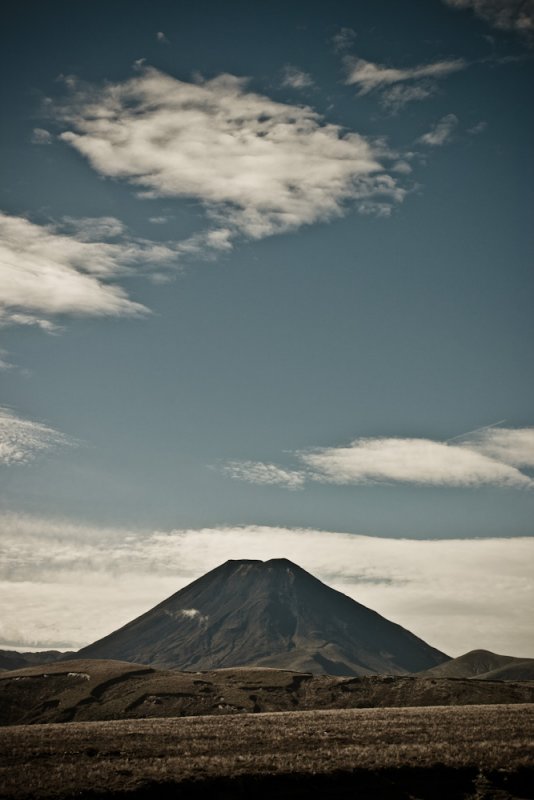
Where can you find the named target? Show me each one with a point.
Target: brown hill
(12, 659)
(85, 690)
(484, 665)
(269, 614)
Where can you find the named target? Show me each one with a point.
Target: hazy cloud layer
(507, 15)
(72, 268)
(398, 86)
(441, 133)
(66, 584)
(21, 440)
(259, 167)
(491, 456)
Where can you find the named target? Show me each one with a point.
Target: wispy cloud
(295, 78)
(245, 157)
(267, 474)
(41, 136)
(456, 594)
(69, 268)
(4, 360)
(21, 440)
(506, 15)
(398, 86)
(343, 39)
(479, 127)
(441, 133)
(160, 36)
(489, 457)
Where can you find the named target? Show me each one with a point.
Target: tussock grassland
(441, 751)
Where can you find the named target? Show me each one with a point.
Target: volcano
(269, 614)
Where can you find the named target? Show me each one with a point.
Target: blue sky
(265, 265)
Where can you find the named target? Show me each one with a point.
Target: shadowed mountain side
(272, 614)
(87, 690)
(484, 665)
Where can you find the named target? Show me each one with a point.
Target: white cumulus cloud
(258, 166)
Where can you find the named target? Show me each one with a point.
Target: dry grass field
(475, 752)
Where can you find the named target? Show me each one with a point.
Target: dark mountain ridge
(270, 614)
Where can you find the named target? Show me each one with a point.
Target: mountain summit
(271, 614)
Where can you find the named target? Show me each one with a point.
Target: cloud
(514, 447)
(491, 456)
(480, 127)
(391, 82)
(343, 39)
(69, 584)
(160, 36)
(41, 136)
(267, 474)
(295, 78)
(441, 133)
(506, 15)
(4, 362)
(21, 440)
(395, 98)
(70, 268)
(257, 166)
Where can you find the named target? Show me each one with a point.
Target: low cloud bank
(63, 584)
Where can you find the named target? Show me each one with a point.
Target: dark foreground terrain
(87, 690)
(471, 752)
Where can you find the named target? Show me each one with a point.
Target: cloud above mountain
(491, 456)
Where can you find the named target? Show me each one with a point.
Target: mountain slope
(484, 665)
(272, 614)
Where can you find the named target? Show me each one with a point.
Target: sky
(266, 291)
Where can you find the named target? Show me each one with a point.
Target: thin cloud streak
(398, 86)
(456, 594)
